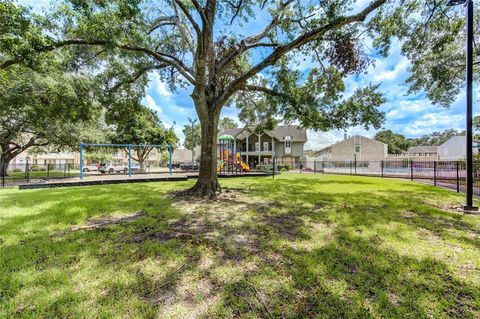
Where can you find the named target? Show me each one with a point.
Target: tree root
(202, 190)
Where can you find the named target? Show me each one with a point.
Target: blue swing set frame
(129, 146)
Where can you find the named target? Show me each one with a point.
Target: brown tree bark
(4, 162)
(207, 183)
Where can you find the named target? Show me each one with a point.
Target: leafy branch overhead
(175, 38)
(244, 52)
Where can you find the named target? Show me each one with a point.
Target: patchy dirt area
(101, 222)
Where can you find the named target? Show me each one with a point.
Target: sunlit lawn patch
(297, 246)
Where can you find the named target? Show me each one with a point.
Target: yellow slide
(220, 166)
(244, 166)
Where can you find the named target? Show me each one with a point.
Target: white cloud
(158, 86)
(162, 89)
(151, 104)
(382, 72)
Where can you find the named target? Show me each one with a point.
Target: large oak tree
(239, 51)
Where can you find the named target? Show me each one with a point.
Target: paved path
(122, 178)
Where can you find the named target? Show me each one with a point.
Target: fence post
(411, 170)
(273, 168)
(381, 167)
(170, 151)
(351, 164)
(48, 170)
(81, 160)
(458, 177)
(323, 166)
(129, 160)
(355, 166)
(3, 169)
(434, 173)
(314, 167)
(27, 171)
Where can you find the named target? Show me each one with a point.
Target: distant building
(356, 147)
(55, 158)
(183, 155)
(283, 142)
(455, 149)
(422, 151)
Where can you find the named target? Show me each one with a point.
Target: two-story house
(356, 147)
(283, 142)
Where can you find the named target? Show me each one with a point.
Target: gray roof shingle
(422, 149)
(297, 133)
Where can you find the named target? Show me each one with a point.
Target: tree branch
(137, 75)
(161, 57)
(189, 17)
(264, 90)
(295, 44)
(251, 41)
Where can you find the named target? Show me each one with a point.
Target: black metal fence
(30, 173)
(449, 174)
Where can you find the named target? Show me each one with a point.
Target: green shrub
(16, 170)
(283, 167)
(38, 169)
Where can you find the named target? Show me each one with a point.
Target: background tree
(435, 138)
(192, 136)
(43, 108)
(98, 156)
(144, 127)
(226, 123)
(476, 126)
(196, 43)
(434, 42)
(397, 143)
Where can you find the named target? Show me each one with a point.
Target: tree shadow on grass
(172, 259)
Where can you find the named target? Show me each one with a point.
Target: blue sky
(411, 115)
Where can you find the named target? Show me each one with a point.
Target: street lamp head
(452, 3)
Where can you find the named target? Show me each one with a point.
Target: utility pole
(468, 207)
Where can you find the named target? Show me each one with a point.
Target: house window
(357, 149)
(265, 146)
(257, 147)
(288, 145)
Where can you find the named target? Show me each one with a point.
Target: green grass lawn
(308, 246)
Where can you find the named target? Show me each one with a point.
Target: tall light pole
(193, 147)
(469, 207)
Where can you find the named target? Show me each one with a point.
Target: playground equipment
(128, 148)
(229, 161)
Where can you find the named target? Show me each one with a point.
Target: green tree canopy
(46, 107)
(226, 123)
(144, 128)
(435, 138)
(397, 143)
(192, 135)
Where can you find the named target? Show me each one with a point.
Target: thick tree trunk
(207, 183)
(4, 162)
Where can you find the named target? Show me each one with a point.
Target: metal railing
(30, 173)
(448, 174)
